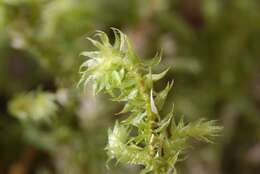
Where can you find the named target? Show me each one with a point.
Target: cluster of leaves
(213, 46)
(36, 107)
(145, 138)
(48, 123)
(39, 42)
(37, 112)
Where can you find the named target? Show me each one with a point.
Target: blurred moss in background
(48, 126)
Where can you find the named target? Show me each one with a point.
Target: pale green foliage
(158, 141)
(38, 106)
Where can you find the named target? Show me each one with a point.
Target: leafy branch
(145, 138)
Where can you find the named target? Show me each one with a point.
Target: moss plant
(34, 106)
(145, 137)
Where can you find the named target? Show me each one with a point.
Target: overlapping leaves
(116, 70)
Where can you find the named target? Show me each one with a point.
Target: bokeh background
(49, 126)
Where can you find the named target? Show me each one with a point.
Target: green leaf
(98, 86)
(96, 43)
(163, 125)
(127, 95)
(202, 130)
(122, 73)
(152, 103)
(147, 169)
(127, 108)
(135, 119)
(103, 37)
(117, 38)
(154, 61)
(116, 78)
(131, 54)
(161, 96)
(91, 54)
(156, 77)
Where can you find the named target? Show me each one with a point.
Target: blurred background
(49, 126)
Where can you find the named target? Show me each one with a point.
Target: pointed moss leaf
(123, 44)
(87, 64)
(116, 78)
(98, 86)
(153, 107)
(147, 169)
(119, 39)
(138, 139)
(95, 43)
(128, 83)
(83, 68)
(133, 154)
(116, 44)
(116, 139)
(122, 73)
(173, 160)
(161, 96)
(91, 54)
(103, 37)
(154, 61)
(202, 130)
(95, 88)
(87, 80)
(132, 94)
(135, 119)
(127, 108)
(156, 77)
(131, 53)
(127, 95)
(148, 79)
(84, 80)
(129, 119)
(164, 123)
